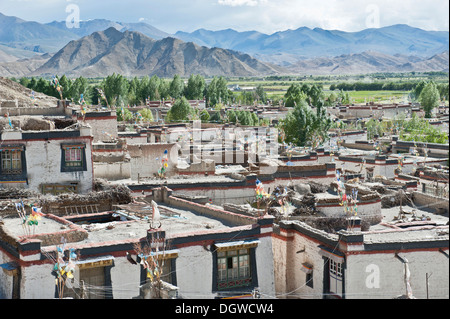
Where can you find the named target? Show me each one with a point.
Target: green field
(379, 96)
(276, 88)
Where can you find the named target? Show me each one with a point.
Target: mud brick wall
(58, 208)
(73, 233)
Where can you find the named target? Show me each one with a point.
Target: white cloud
(236, 3)
(266, 16)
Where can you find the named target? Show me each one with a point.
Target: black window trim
(64, 167)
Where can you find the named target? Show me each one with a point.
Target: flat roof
(184, 179)
(174, 221)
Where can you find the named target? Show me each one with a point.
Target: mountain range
(132, 53)
(370, 62)
(100, 47)
(284, 47)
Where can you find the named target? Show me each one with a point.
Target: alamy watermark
(373, 18)
(73, 19)
(373, 278)
(227, 145)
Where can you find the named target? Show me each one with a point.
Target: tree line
(374, 86)
(314, 95)
(121, 91)
(414, 87)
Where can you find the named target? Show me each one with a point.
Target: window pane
(232, 273)
(73, 157)
(234, 270)
(222, 269)
(243, 251)
(11, 162)
(166, 271)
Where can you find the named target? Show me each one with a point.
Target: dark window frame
(7, 175)
(249, 286)
(71, 168)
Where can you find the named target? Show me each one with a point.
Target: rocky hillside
(12, 94)
(132, 53)
(370, 62)
(23, 67)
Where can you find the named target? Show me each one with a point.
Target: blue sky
(267, 16)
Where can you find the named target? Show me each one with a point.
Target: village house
(388, 260)
(208, 252)
(372, 110)
(47, 161)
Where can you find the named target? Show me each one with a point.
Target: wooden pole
(83, 296)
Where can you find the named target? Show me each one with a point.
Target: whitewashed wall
(265, 268)
(194, 267)
(37, 282)
(125, 279)
(363, 269)
(44, 165)
(378, 275)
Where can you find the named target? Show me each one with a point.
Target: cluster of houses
(216, 210)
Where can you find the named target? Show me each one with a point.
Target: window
(11, 162)
(309, 280)
(165, 269)
(233, 268)
(307, 268)
(163, 261)
(166, 274)
(56, 189)
(336, 277)
(73, 158)
(94, 283)
(92, 280)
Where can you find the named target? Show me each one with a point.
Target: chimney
(354, 224)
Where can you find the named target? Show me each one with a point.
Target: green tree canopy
(204, 116)
(124, 114)
(261, 94)
(217, 91)
(294, 95)
(80, 86)
(305, 127)
(415, 93)
(176, 88)
(216, 118)
(429, 98)
(195, 87)
(116, 87)
(232, 117)
(180, 111)
(147, 114)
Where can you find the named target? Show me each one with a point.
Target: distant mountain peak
(131, 53)
(285, 46)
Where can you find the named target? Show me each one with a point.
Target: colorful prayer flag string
(29, 221)
(349, 202)
(164, 164)
(9, 120)
(64, 270)
(55, 83)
